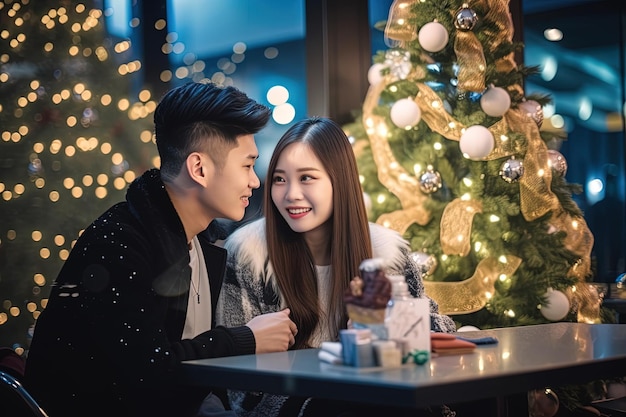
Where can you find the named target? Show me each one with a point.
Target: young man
(137, 294)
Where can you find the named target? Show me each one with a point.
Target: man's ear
(198, 167)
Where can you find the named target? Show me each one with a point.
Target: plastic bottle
(407, 318)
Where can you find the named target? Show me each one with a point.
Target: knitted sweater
(250, 288)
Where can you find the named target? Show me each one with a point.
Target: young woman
(304, 252)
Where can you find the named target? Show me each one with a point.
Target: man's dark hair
(203, 117)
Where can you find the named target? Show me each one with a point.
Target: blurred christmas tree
(452, 156)
(72, 138)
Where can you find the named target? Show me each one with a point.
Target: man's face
(231, 185)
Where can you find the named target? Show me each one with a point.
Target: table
(525, 358)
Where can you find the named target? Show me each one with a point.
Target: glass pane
(582, 69)
(240, 43)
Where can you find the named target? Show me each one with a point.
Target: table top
(525, 358)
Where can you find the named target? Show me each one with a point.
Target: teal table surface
(525, 358)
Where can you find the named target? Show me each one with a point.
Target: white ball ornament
(433, 37)
(476, 142)
(557, 305)
(374, 75)
(495, 101)
(405, 113)
(467, 328)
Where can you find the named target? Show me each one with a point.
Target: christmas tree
(72, 138)
(452, 155)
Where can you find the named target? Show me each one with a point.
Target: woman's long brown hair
(350, 238)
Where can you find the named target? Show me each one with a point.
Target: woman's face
(301, 189)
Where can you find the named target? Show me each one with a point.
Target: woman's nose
(293, 193)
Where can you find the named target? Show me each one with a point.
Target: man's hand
(273, 332)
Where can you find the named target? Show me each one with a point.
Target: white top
(324, 286)
(199, 305)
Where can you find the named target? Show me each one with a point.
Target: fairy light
(119, 183)
(39, 279)
(102, 179)
(36, 235)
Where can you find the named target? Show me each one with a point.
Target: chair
(11, 386)
(15, 400)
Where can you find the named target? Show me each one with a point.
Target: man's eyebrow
(253, 157)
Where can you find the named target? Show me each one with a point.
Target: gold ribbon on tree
(453, 298)
(472, 294)
(390, 173)
(456, 226)
(469, 51)
(501, 17)
(398, 28)
(536, 196)
(471, 61)
(579, 240)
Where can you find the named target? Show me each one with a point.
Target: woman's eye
(306, 178)
(278, 179)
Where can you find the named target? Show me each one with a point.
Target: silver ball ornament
(430, 181)
(427, 264)
(557, 162)
(543, 403)
(465, 18)
(512, 170)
